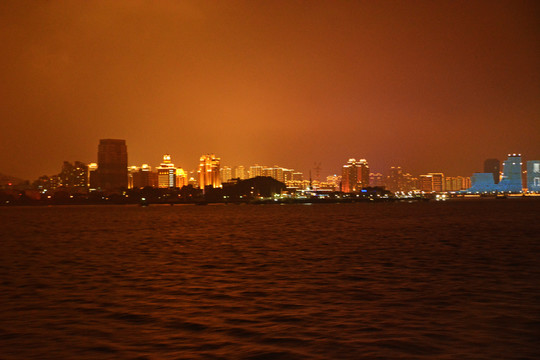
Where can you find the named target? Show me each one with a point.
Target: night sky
(430, 86)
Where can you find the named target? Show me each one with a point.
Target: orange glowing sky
(428, 85)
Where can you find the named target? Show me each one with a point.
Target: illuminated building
(354, 175)
(132, 171)
(533, 176)
(239, 172)
(376, 179)
(276, 172)
(297, 176)
(493, 166)
(143, 177)
(482, 183)
(511, 177)
(209, 171)
(395, 181)
(112, 172)
(166, 173)
(74, 175)
(288, 175)
(255, 170)
(456, 183)
(93, 180)
(225, 174)
(363, 174)
(437, 181)
(181, 178)
(426, 183)
(510, 182)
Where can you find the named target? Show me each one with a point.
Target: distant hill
(7, 179)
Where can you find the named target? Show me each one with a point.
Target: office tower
(209, 171)
(493, 166)
(112, 169)
(437, 182)
(225, 174)
(166, 173)
(511, 177)
(74, 175)
(533, 176)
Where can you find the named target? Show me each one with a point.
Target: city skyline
(426, 86)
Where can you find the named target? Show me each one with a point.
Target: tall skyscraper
(112, 164)
(363, 174)
(493, 166)
(166, 173)
(354, 175)
(209, 171)
(225, 174)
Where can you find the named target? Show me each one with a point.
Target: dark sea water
(453, 280)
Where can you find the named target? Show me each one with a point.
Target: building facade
(112, 171)
(209, 171)
(166, 173)
(533, 176)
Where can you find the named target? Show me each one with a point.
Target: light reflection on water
(455, 280)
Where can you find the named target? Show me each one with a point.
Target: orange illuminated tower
(112, 164)
(166, 173)
(209, 171)
(354, 175)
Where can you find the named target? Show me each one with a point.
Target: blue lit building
(533, 176)
(482, 183)
(511, 178)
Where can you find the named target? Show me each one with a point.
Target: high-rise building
(112, 169)
(493, 166)
(239, 172)
(181, 178)
(363, 174)
(143, 177)
(225, 174)
(255, 170)
(376, 179)
(511, 177)
(395, 181)
(209, 171)
(166, 173)
(354, 175)
(437, 181)
(426, 183)
(74, 175)
(533, 176)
